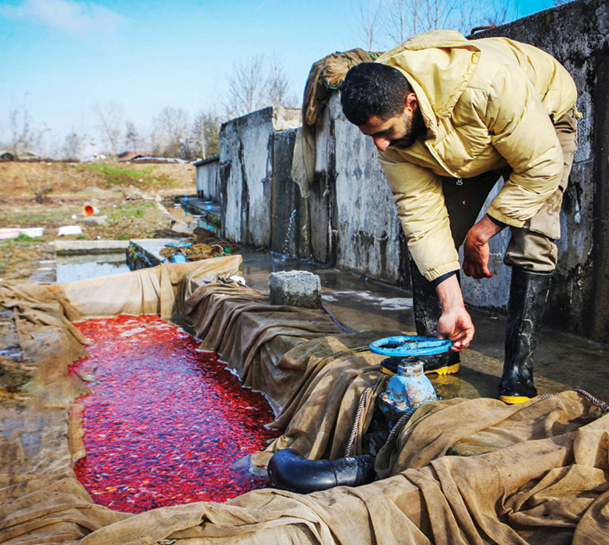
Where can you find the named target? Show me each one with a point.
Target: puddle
(81, 267)
(371, 299)
(164, 422)
(180, 214)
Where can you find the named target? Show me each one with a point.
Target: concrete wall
(246, 171)
(208, 180)
(355, 225)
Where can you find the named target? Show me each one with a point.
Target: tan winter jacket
(487, 104)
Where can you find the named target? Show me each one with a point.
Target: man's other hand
(476, 248)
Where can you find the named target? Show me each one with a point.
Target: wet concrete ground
(562, 361)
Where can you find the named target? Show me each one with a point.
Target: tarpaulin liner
(460, 471)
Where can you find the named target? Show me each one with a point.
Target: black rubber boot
(528, 296)
(427, 311)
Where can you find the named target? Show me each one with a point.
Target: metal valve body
(406, 390)
(409, 387)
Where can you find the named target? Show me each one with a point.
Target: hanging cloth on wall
(326, 75)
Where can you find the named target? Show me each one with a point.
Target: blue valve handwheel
(410, 345)
(178, 244)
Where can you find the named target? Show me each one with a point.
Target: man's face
(400, 130)
(397, 131)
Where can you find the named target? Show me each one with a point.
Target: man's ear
(411, 103)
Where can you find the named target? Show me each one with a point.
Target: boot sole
(448, 370)
(515, 400)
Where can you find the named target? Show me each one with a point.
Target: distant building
(29, 156)
(6, 155)
(131, 155)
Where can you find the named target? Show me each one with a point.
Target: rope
(358, 416)
(601, 404)
(407, 415)
(399, 424)
(344, 328)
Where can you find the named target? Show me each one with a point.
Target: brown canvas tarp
(551, 489)
(461, 471)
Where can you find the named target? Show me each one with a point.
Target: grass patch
(115, 175)
(22, 240)
(134, 209)
(27, 240)
(36, 215)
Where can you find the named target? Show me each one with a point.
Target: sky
(59, 57)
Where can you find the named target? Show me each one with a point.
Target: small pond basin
(81, 267)
(164, 422)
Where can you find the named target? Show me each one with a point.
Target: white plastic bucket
(69, 230)
(9, 233)
(33, 232)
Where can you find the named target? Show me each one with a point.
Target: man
(450, 117)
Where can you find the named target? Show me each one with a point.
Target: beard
(414, 128)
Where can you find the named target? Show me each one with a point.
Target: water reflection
(81, 267)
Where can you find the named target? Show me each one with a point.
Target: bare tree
(396, 26)
(41, 183)
(171, 128)
(73, 146)
(133, 141)
(255, 84)
(498, 12)
(205, 134)
(111, 114)
(405, 18)
(370, 22)
(278, 85)
(23, 135)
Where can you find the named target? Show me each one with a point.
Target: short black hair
(372, 89)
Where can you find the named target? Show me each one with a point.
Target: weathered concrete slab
(358, 228)
(146, 252)
(73, 247)
(208, 214)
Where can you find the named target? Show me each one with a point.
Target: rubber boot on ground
(427, 311)
(528, 296)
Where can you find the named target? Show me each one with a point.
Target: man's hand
(476, 248)
(455, 322)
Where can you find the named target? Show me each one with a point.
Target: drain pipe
(290, 470)
(406, 391)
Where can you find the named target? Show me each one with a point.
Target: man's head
(380, 101)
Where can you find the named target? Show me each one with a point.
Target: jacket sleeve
(522, 132)
(417, 192)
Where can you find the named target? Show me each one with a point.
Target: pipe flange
(410, 345)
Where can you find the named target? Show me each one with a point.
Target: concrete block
(96, 220)
(75, 247)
(295, 288)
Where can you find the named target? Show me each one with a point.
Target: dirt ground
(52, 195)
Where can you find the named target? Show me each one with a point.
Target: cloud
(67, 16)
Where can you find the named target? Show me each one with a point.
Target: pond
(81, 267)
(164, 422)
